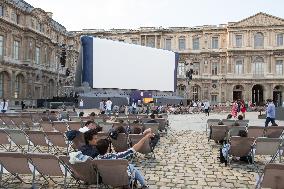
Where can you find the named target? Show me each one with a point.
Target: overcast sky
(107, 14)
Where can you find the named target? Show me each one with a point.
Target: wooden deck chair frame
(19, 138)
(38, 139)
(56, 140)
(60, 126)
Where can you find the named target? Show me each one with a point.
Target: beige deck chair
(228, 122)
(48, 166)
(102, 135)
(266, 146)
(74, 125)
(211, 122)
(8, 122)
(243, 122)
(17, 120)
(58, 141)
(218, 132)
(4, 140)
(121, 143)
(132, 126)
(38, 139)
(154, 127)
(106, 126)
(81, 171)
(19, 138)
(273, 176)
(112, 171)
(28, 122)
(60, 126)
(234, 130)
(46, 126)
(274, 131)
(240, 146)
(146, 148)
(17, 165)
(255, 131)
(78, 141)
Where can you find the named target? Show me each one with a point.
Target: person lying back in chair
(103, 145)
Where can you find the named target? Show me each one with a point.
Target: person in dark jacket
(90, 148)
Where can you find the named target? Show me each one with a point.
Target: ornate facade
(238, 60)
(33, 50)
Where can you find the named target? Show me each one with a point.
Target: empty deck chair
(81, 171)
(58, 141)
(74, 125)
(273, 176)
(38, 139)
(243, 122)
(121, 143)
(240, 146)
(4, 140)
(234, 130)
(16, 164)
(60, 126)
(255, 131)
(28, 122)
(112, 172)
(19, 138)
(274, 131)
(218, 132)
(17, 120)
(266, 146)
(8, 122)
(46, 126)
(211, 122)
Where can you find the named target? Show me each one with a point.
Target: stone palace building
(238, 60)
(35, 52)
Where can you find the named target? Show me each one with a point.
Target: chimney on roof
(49, 14)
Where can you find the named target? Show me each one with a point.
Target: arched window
(258, 40)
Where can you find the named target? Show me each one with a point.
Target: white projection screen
(128, 66)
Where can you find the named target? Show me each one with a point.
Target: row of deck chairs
(60, 171)
(228, 122)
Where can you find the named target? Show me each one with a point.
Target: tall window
(195, 43)
(181, 44)
(279, 67)
(150, 41)
(15, 17)
(215, 42)
(239, 40)
(181, 70)
(168, 44)
(181, 89)
(214, 68)
(279, 39)
(258, 67)
(1, 10)
(1, 45)
(258, 40)
(239, 67)
(196, 68)
(37, 55)
(214, 98)
(16, 49)
(195, 93)
(1, 85)
(17, 87)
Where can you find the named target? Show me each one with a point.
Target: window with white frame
(195, 43)
(239, 67)
(279, 39)
(168, 44)
(181, 70)
(16, 50)
(239, 40)
(196, 68)
(1, 45)
(1, 85)
(279, 67)
(214, 69)
(258, 40)
(215, 42)
(181, 44)
(258, 67)
(37, 55)
(1, 10)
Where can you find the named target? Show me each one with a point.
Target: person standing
(206, 107)
(243, 109)
(102, 106)
(23, 105)
(108, 106)
(4, 106)
(270, 113)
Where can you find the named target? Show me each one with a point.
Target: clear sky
(107, 14)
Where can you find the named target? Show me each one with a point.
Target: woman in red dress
(243, 109)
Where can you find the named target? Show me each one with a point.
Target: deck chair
(218, 132)
(102, 135)
(121, 143)
(255, 131)
(81, 171)
(240, 146)
(78, 141)
(105, 126)
(146, 148)
(57, 141)
(243, 122)
(38, 139)
(234, 130)
(28, 122)
(48, 166)
(153, 126)
(60, 126)
(74, 125)
(8, 122)
(17, 120)
(266, 146)
(132, 126)
(46, 126)
(273, 176)
(273, 131)
(112, 171)
(4, 140)
(19, 138)
(16, 164)
(211, 122)
(228, 122)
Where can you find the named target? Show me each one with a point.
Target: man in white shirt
(108, 106)
(88, 125)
